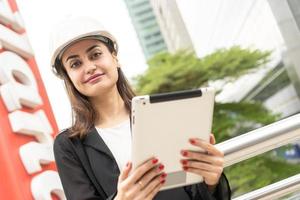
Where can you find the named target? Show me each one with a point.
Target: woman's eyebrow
(72, 56)
(91, 48)
(88, 50)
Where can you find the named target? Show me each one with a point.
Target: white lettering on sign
(13, 64)
(7, 17)
(19, 86)
(36, 125)
(15, 42)
(34, 154)
(42, 191)
(15, 95)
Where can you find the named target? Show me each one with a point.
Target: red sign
(27, 124)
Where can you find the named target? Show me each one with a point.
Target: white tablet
(162, 125)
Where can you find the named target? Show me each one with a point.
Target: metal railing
(275, 190)
(260, 141)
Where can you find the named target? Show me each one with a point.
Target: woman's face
(91, 67)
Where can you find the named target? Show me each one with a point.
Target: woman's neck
(111, 109)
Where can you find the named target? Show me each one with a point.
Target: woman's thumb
(125, 171)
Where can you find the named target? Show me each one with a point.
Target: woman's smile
(94, 78)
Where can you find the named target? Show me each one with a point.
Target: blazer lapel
(94, 140)
(102, 162)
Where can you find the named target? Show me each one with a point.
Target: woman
(93, 155)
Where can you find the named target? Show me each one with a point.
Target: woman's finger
(125, 172)
(212, 139)
(143, 183)
(153, 184)
(158, 170)
(141, 170)
(209, 178)
(154, 189)
(134, 191)
(203, 166)
(211, 149)
(215, 160)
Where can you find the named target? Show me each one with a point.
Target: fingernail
(192, 141)
(155, 160)
(184, 162)
(164, 175)
(127, 164)
(184, 153)
(161, 167)
(185, 168)
(163, 181)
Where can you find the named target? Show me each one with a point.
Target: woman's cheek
(76, 80)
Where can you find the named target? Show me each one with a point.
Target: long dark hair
(84, 115)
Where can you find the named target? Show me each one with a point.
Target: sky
(41, 16)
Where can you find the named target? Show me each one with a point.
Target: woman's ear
(114, 55)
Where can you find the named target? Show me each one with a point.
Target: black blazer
(88, 170)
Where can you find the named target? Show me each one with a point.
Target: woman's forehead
(81, 47)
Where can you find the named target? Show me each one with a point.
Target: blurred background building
(203, 27)
(269, 25)
(147, 29)
(172, 26)
(287, 15)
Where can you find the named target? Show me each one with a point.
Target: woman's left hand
(208, 164)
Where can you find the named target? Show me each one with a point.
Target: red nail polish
(164, 175)
(155, 160)
(161, 167)
(192, 141)
(184, 162)
(163, 181)
(184, 153)
(185, 168)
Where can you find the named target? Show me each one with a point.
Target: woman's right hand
(143, 184)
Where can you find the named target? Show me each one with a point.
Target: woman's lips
(93, 78)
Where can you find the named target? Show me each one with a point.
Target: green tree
(183, 70)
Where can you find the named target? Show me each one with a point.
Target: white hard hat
(74, 29)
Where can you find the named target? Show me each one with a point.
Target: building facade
(215, 24)
(172, 26)
(280, 88)
(287, 14)
(147, 29)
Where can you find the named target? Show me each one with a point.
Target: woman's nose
(90, 67)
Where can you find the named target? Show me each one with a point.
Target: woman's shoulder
(63, 139)
(63, 136)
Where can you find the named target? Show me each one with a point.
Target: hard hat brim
(93, 35)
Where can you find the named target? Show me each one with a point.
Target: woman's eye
(96, 55)
(75, 64)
